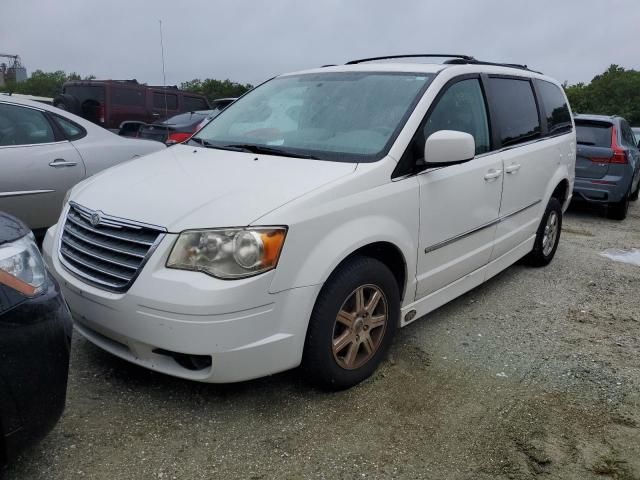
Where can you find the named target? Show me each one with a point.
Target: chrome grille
(106, 251)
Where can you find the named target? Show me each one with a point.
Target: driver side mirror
(448, 147)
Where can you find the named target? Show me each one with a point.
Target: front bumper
(228, 331)
(34, 361)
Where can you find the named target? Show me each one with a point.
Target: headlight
(228, 252)
(21, 266)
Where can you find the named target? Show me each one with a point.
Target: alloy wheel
(360, 327)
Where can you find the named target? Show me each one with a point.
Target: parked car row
(305, 223)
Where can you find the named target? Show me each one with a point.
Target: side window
(23, 126)
(461, 108)
(194, 103)
(515, 110)
(71, 130)
(159, 100)
(127, 96)
(555, 107)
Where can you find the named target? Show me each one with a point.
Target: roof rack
(454, 59)
(416, 55)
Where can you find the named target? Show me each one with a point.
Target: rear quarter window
(514, 110)
(595, 134)
(555, 106)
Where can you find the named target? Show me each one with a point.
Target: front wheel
(547, 236)
(352, 325)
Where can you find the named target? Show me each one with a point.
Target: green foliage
(213, 89)
(615, 92)
(43, 84)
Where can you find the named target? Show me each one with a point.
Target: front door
(36, 168)
(459, 204)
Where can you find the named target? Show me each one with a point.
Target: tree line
(614, 92)
(49, 84)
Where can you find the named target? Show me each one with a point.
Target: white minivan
(315, 216)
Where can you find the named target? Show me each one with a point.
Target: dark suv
(111, 102)
(607, 163)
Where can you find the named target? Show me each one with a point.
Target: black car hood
(11, 228)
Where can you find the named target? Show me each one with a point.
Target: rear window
(515, 110)
(555, 107)
(194, 103)
(596, 134)
(165, 100)
(86, 92)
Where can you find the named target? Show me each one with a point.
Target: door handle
(513, 168)
(492, 174)
(61, 162)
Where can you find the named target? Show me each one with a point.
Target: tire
(360, 329)
(547, 236)
(618, 210)
(67, 102)
(634, 196)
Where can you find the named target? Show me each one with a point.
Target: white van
(315, 216)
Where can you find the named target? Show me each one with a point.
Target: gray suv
(607, 163)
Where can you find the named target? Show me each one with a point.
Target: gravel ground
(537, 372)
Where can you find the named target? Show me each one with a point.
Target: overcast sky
(250, 41)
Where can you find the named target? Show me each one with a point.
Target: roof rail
(457, 61)
(454, 59)
(416, 55)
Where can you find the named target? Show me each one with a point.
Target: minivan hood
(185, 187)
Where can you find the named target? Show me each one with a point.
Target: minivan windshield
(343, 116)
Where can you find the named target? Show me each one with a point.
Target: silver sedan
(44, 151)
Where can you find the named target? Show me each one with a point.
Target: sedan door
(459, 204)
(38, 166)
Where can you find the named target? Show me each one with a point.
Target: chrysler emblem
(95, 219)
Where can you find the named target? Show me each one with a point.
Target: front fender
(330, 233)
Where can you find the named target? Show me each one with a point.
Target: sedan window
(71, 130)
(23, 126)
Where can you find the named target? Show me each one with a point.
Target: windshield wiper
(269, 150)
(207, 144)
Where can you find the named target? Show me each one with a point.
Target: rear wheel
(352, 324)
(618, 210)
(634, 195)
(547, 236)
